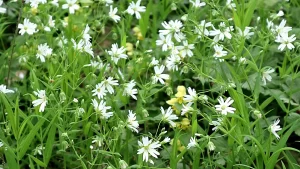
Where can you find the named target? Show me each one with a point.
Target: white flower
(172, 28)
(42, 101)
(35, 3)
(55, 3)
(108, 83)
(2, 10)
(132, 123)
(4, 90)
(191, 97)
(246, 33)
(275, 127)
(71, 4)
(219, 52)
(172, 62)
(27, 27)
(166, 140)
(186, 109)
(282, 29)
(192, 143)
(211, 146)
(266, 75)
(159, 76)
(222, 32)
(285, 41)
(43, 51)
(136, 8)
(216, 124)
(201, 28)
(168, 116)
(147, 147)
(164, 42)
(38, 150)
(101, 109)
(186, 49)
(230, 4)
(197, 3)
(98, 140)
(224, 107)
(112, 14)
(130, 91)
(154, 62)
(100, 91)
(85, 34)
(117, 53)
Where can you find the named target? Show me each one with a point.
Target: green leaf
(25, 143)
(49, 144)
(39, 162)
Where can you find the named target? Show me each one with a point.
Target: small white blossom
(130, 91)
(43, 51)
(136, 8)
(101, 109)
(197, 3)
(191, 97)
(99, 91)
(108, 83)
(159, 76)
(275, 127)
(148, 147)
(42, 101)
(266, 75)
(186, 49)
(2, 10)
(219, 52)
(168, 116)
(27, 27)
(71, 5)
(165, 42)
(4, 90)
(224, 107)
(222, 32)
(172, 29)
(132, 123)
(192, 143)
(286, 41)
(117, 53)
(113, 14)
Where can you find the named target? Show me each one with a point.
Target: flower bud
(123, 164)
(185, 69)
(169, 91)
(62, 97)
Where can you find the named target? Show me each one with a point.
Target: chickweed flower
(197, 3)
(201, 29)
(108, 83)
(148, 147)
(191, 97)
(101, 109)
(192, 143)
(159, 76)
(222, 32)
(38, 150)
(266, 74)
(219, 52)
(132, 123)
(4, 90)
(2, 10)
(117, 53)
(42, 101)
(273, 128)
(27, 27)
(186, 49)
(224, 107)
(43, 51)
(165, 42)
(172, 29)
(167, 116)
(113, 14)
(100, 91)
(136, 8)
(71, 5)
(286, 41)
(130, 91)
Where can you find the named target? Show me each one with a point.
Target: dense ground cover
(149, 84)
